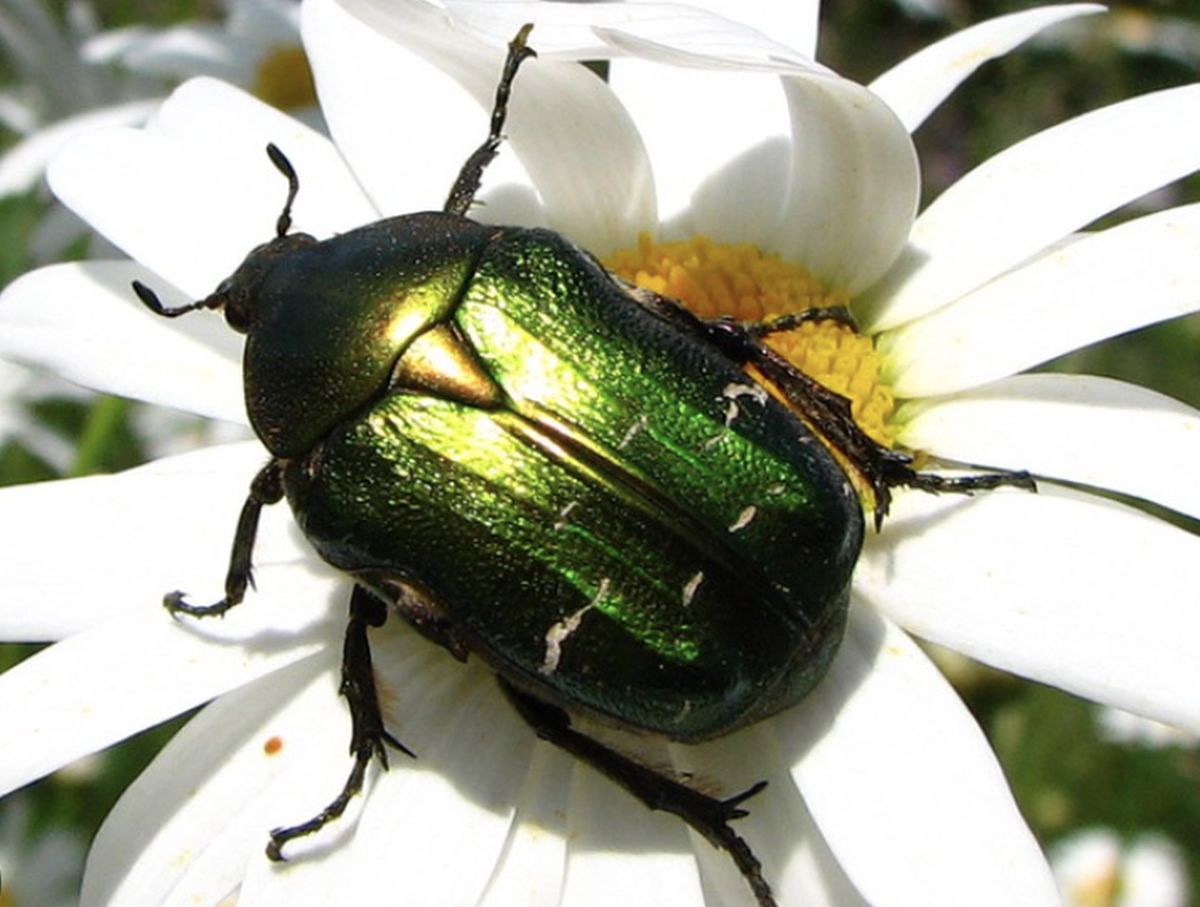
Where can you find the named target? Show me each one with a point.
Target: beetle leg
(368, 737)
(462, 193)
(829, 413)
(793, 320)
(707, 815)
(267, 488)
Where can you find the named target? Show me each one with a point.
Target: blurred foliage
(1064, 774)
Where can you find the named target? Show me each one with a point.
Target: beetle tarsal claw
(174, 603)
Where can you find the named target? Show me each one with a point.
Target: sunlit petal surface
(903, 783)
(595, 198)
(158, 527)
(135, 670)
(534, 861)
(22, 165)
(200, 207)
(57, 317)
(162, 845)
(1065, 588)
(1036, 192)
(1086, 430)
(796, 859)
(1123, 278)
(854, 184)
(915, 87)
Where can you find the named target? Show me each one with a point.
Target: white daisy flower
(255, 45)
(74, 79)
(882, 789)
(1096, 868)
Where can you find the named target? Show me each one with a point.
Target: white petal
(188, 219)
(1123, 278)
(191, 49)
(410, 157)
(449, 811)
(534, 863)
(793, 24)
(904, 785)
(1064, 588)
(797, 862)
(854, 183)
(132, 537)
(730, 48)
(317, 867)
(403, 124)
(83, 322)
(1039, 190)
(183, 832)
(203, 113)
(1090, 431)
(132, 672)
(313, 876)
(915, 87)
(622, 853)
(189, 206)
(264, 21)
(22, 166)
(718, 142)
(755, 30)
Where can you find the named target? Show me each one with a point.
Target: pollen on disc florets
(742, 282)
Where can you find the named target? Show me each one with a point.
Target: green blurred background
(1066, 772)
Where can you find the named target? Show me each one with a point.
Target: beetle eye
(236, 316)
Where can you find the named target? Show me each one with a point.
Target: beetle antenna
(462, 194)
(150, 299)
(284, 166)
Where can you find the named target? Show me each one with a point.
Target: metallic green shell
(636, 530)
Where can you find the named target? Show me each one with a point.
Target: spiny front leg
(368, 737)
(267, 488)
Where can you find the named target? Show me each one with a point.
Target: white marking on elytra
(561, 631)
(731, 393)
(690, 587)
(744, 519)
(642, 421)
(756, 393)
(562, 521)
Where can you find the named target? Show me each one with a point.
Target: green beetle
(576, 481)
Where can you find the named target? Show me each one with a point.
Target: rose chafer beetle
(631, 514)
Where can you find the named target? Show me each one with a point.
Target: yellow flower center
(741, 281)
(284, 79)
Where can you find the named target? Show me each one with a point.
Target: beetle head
(236, 295)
